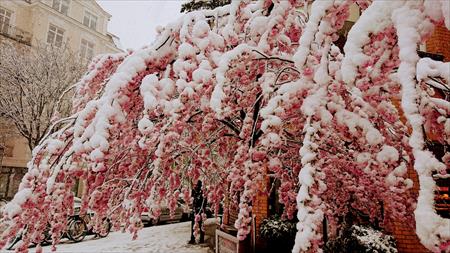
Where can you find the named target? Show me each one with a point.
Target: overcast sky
(135, 21)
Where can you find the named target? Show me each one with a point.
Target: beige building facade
(79, 24)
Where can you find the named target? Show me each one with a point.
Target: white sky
(135, 21)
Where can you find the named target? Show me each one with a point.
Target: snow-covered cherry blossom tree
(230, 95)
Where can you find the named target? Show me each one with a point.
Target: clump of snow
(438, 10)
(387, 154)
(148, 89)
(271, 120)
(96, 155)
(373, 136)
(408, 183)
(272, 139)
(311, 103)
(318, 11)
(145, 125)
(203, 74)
(307, 218)
(363, 157)
(186, 50)
(201, 29)
(258, 25)
(55, 145)
(427, 67)
(218, 95)
(374, 240)
(371, 21)
(13, 208)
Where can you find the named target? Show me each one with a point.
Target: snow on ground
(171, 238)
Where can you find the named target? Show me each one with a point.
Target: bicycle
(77, 229)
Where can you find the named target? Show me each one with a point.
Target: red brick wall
(260, 209)
(231, 216)
(407, 241)
(439, 42)
(405, 234)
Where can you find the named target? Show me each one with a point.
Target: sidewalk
(170, 238)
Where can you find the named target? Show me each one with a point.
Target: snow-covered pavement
(171, 238)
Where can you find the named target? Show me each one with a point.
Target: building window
(442, 190)
(55, 36)
(5, 19)
(61, 6)
(86, 49)
(10, 178)
(90, 20)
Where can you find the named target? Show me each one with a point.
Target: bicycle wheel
(47, 235)
(104, 230)
(18, 238)
(77, 229)
(154, 222)
(13, 242)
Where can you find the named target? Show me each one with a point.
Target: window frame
(87, 49)
(60, 6)
(57, 31)
(92, 20)
(4, 26)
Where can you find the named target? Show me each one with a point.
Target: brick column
(405, 234)
(438, 43)
(260, 209)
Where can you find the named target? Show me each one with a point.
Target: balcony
(15, 33)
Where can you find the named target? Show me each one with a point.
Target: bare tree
(34, 86)
(199, 5)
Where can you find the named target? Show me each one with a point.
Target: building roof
(100, 7)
